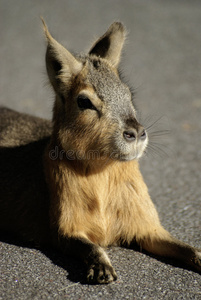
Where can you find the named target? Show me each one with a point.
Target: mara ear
(109, 46)
(60, 63)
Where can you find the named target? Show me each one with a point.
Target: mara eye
(84, 103)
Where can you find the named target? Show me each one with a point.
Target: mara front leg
(149, 233)
(161, 242)
(99, 267)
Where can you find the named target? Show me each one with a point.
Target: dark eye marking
(85, 103)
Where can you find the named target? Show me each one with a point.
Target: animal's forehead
(106, 83)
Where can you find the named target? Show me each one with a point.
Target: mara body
(75, 182)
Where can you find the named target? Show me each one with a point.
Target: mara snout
(132, 142)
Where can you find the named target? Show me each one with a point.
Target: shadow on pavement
(75, 268)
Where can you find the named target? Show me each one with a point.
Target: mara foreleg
(99, 267)
(161, 242)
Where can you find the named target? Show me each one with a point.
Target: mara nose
(142, 134)
(131, 135)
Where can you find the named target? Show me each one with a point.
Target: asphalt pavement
(162, 60)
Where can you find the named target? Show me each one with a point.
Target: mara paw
(196, 261)
(101, 273)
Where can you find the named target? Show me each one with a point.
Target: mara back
(23, 193)
(75, 183)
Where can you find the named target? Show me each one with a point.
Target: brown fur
(76, 184)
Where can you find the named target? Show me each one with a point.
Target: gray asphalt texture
(162, 60)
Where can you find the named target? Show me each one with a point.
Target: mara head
(94, 114)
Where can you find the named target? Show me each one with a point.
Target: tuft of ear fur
(109, 45)
(60, 63)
